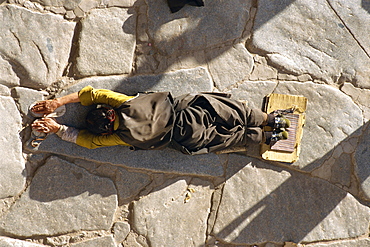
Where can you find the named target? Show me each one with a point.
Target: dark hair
(100, 120)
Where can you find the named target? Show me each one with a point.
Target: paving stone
(106, 241)
(343, 243)
(331, 117)
(312, 37)
(68, 4)
(8, 76)
(12, 165)
(263, 203)
(121, 231)
(163, 216)
(178, 83)
(229, 65)
(362, 157)
(37, 49)
(26, 97)
(64, 193)
(128, 184)
(196, 28)
(167, 160)
(107, 42)
(9, 242)
(4, 90)
(360, 96)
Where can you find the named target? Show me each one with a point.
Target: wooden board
(286, 150)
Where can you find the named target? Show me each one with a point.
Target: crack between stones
(348, 29)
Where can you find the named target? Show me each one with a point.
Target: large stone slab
(12, 166)
(164, 217)
(312, 37)
(229, 65)
(167, 160)
(9, 242)
(178, 83)
(64, 193)
(362, 158)
(8, 76)
(106, 43)
(196, 28)
(344, 243)
(360, 96)
(331, 117)
(36, 45)
(261, 203)
(106, 241)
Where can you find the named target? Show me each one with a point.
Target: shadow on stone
(292, 208)
(366, 5)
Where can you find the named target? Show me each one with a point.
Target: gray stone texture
(196, 28)
(262, 203)
(229, 65)
(331, 117)
(35, 45)
(345, 243)
(362, 159)
(106, 241)
(188, 220)
(9, 242)
(106, 31)
(62, 198)
(298, 38)
(12, 165)
(118, 197)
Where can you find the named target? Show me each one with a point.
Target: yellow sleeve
(88, 96)
(91, 141)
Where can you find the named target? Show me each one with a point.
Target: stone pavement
(60, 194)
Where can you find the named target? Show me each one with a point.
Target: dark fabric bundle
(176, 5)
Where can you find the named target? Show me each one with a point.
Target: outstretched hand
(46, 125)
(45, 107)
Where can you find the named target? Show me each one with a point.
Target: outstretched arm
(48, 106)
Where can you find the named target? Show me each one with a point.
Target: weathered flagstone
(167, 160)
(8, 76)
(12, 166)
(309, 37)
(362, 158)
(106, 43)
(196, 28)
(128, 184)
(9, 242)
(164, 217)
(62, 198)
(229, 65)
(26, 97)
(36, 45)
(120, 231)
(331, 117)
(4, 90)
(360, 96)
(262, 203)
(106, 241)
(178, 83)
(344, 243)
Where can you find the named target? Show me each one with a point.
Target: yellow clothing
(88, 96)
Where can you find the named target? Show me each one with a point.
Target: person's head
(100, 121)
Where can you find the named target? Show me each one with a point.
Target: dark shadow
(218, 23)
(59, 179)
(298, 205)
(366, 5)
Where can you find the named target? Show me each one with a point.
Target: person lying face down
(191, 123)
